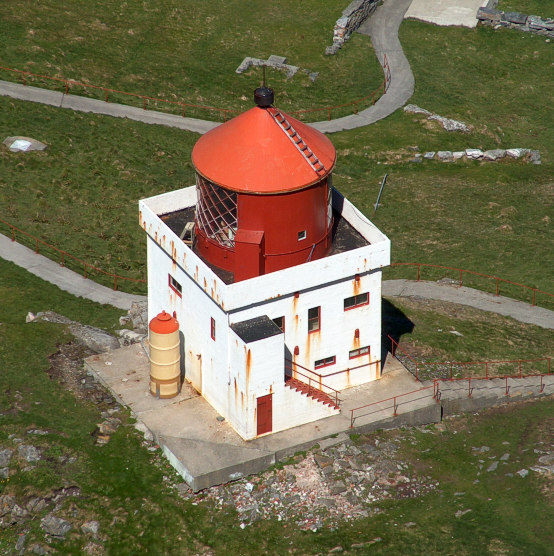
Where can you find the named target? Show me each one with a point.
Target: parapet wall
(352, 17)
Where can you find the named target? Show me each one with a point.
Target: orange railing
(64, 255)
(449, 366)
(292, 371)
(183, 106)
(460, 277)
(376, 407)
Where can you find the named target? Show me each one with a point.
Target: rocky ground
(341, 480)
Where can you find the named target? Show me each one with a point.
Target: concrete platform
(446, 12)
(206, 452)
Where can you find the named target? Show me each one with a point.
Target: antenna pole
(380, 192)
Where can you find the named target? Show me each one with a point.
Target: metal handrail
(461, 272)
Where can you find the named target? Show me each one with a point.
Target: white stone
(474, 153)
(456, 155)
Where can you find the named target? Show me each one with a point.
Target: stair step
(311, 392)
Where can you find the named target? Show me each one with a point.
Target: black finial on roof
(264, 97)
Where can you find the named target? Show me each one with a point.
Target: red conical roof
(254, 153)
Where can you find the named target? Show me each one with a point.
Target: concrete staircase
(457, 396)
(310, 391)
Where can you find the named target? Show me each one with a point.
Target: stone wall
(352, 17)
(492, 17)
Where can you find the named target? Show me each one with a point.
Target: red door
(264, 413)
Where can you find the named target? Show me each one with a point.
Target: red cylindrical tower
(264, 192)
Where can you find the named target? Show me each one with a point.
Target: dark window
(314, 319)
(212, 329)
(175, 286)
(301, 235)
(280, 322)
(358, 352)
(324, 362)
(356, 301)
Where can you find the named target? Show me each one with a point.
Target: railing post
(183, 107)
(519, 362)
(469, 387)
(497, 286)
(373, 97)
(487, 369)
(36, 250)
(549, 360)
(460, 279)
(451, 370)
(144, 103)
(66, 86)
(86, 270)
(329, 114)
(395, 407)
(418, 273)
(115, 282)
(416, 372)
(355, 108)
(351, 418)
(506, 378)
(534, 291)
(13, 233)
(542, 386)
(105, 95)
(63, 262)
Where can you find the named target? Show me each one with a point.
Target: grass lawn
(529, 7)
(436, 331)
(189, 51)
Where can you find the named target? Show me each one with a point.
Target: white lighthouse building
(274, 277)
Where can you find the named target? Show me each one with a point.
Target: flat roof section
(258, 328)
(345, 236)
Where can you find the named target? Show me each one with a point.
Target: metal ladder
(297, 140)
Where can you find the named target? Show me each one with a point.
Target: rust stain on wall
(242, 401)
(236, 392)
(248, 367)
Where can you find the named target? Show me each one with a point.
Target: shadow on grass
(395, 324)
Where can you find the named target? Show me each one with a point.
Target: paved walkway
(518, 310)
(74, 283)
(382, 27)
(63, 277)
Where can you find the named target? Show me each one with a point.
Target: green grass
(425, 328)
(188, 52)
(529, 7)
(22, 292)
(81, 194)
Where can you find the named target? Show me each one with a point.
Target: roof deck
(345, 236)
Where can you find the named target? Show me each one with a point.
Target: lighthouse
(264, 192)
(273, 275)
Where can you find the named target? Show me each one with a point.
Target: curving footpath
(382, 27)
(75, 284)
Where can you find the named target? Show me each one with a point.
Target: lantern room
(264, 192)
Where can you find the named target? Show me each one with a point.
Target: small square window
(360, 352)
(314, 319)
(325, 362)
(175, 286)
(212, 329)
(280, 322)
(356, 301)
(301, 235)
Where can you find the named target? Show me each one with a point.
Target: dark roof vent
(264, 97)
